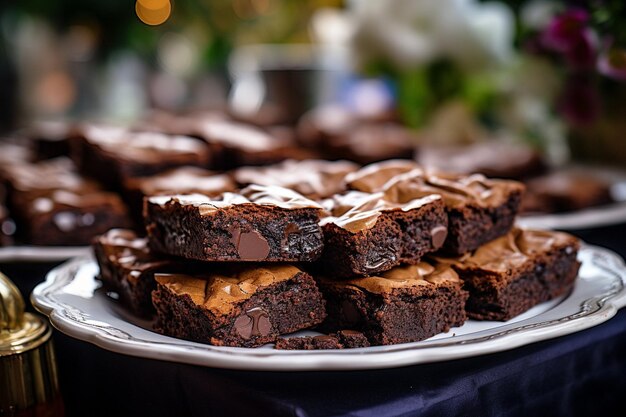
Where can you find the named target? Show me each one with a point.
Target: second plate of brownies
(79, 307)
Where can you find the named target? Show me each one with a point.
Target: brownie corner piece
(515, 272)
(405, 304)
(127, 267)
(270, 224)
(369, 233)
(244, 306)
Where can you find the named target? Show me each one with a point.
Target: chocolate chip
(251, 246)
(255, 322)
(243, 326)
(438, 235)
(349, 312)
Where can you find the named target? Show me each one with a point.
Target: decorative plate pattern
(77, 306)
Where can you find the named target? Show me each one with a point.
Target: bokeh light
(153, 12)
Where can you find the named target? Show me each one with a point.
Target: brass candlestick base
(28, 374)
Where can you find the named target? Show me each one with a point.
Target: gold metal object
(28, 373)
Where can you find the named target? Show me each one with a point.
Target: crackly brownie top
(355, 211)
(493, 158)
(183, 180)
(141, 146)
(514, 250)
(57, 173)
(124, 248)
(239, 135)
(405, 276)
(314, 179)
(253, 194)
(401, 184)
(219, 292)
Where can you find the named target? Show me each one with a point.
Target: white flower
(411, 33)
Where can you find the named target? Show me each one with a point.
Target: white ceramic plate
(591, 217)
(76, 305)
(41, 253)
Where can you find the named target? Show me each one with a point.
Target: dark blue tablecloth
(580, 374)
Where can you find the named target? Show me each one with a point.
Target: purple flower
(565, 30)
(580, 102)
(613, 63)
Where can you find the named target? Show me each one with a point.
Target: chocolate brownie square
(127, 267)
(244, 306)
(243, 144)
(515, 272)
(368, 233)
(314, 179)
(492, 158)
(343, 339)
(50, 139)
(405, 304)
(479, 209)
(53, 205)
(113, 154)
(259, 223)
(183, 180)
(562, 191)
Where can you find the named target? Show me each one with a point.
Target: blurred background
(548, 73)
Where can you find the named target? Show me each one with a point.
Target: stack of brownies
(384, 254)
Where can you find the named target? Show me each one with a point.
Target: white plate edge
(326, 360)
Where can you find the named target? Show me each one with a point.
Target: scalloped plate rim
(380, 357)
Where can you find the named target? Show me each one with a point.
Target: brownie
(314, 179)
(405, 304)
(113, 154)
(259, 223)
(517, 271)
(183, 180)
(245, 306)
(127, 267)
(52, 205)
(479, 209)
(368, 233)
(50, 139)
(343, 339)
(244, 144)
(563, 191)
(342, 133)
(492, 158)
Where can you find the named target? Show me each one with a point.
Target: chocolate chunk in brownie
(127, 267)
(53, 205)
(113, 154)
(562, 191)
(245, 306)
(368, 233)
(515, 272)
(479, 209)
(183, 180)
(343, 339)
(405, 304)
(314, 179)
(492, 158)
(259, 223)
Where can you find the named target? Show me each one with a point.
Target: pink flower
(565, 30)
(569, 35)
(613, 63)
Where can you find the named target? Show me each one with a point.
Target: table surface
(577, 374)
